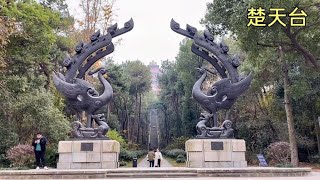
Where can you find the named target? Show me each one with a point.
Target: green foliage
(174, 153)
(113, 122)
(178, 143)
(28, 101)
(122, 163)
(181, 159)
(8, 138)
(131, 82)
(127, 155)
(137, 76)
(35, 42)
(114, 135)
(314, 158)
(52, 156)
(35, 112)
(284, 165)
(259, 116)
(4, 162)
(257, 133)
(178, 112)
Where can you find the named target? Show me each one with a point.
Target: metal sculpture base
(88, 154)
(216, 153)
(79, 131)
(205, 132)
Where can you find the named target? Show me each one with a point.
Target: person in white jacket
(158, 158)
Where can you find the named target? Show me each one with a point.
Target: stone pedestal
(216, 153)
(88, 154)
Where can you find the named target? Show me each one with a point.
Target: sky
(151, 38)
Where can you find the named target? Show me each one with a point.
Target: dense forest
(282, 105)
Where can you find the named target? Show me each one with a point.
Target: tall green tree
(131, 82)
(273, 51)
(179, 112)
(138, 77)
(31, 51)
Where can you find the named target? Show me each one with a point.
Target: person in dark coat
(39, 145)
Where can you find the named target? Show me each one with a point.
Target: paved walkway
(145, 163)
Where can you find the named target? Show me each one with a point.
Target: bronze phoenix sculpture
(81, 96)
(223, 93)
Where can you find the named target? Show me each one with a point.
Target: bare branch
(266, 45)
(308, 56)
(306, 27)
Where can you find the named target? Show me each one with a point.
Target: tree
(169, 104)
(187, 62)
(98, 14)
(30, 49)
(297, 43)
(138, 77)
(131, 82)
(298, 39)
(179, 113)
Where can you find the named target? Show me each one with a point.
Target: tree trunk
(139, 119)
(288, 108)
(136, 120)
(317, 132)
(316, 121)
(128, 120)
(308, 56)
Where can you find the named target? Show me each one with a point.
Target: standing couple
(154, 157)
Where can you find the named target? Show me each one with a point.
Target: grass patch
(16, 168)
(174, 163)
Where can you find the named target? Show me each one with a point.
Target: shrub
(174, 153)
(251, 158)
(279, 152)
(314, 158)
(180, 159)
(8, 139)
(4, 162)
(133, 146)
(141, 153)
(126, 155)
(114, 135)
(21, 155)
(52, 156)
(284, 165)
(122, 163)
(113, 121)
(178, 143)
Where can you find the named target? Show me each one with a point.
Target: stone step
(153, 170)
(151, 175)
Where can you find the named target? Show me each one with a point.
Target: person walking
(158, 158)
(151, 156)
(39, 145)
